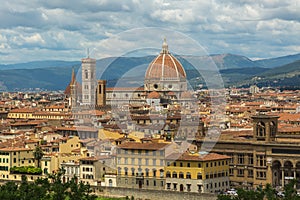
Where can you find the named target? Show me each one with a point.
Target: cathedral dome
(165, 67)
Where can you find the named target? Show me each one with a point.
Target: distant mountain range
(235, 70)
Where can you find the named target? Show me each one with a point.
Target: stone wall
(152, 194)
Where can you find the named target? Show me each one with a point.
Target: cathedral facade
(164, 83)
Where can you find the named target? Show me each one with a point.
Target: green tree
(9, 191)
(57, 187)
(38, 154)
(79, 191)
(290, 193)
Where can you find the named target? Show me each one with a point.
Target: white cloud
(252, 28)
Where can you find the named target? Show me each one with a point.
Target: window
(181, 175)
(161, 183)
(174, 164)
(86, 74)
(147, 161)
(168, 174)
(154, 183)
(231, 158)
(154, 162)
(126, 161)
(250, 159)
(261, 175)
(199, 176)
(126, 171)
(168, 186)
(161, 173)
(174, 175)
(188, 164)
(140, 161)
(250, 173)
(188, 187)
(261, 160)
(240, 158)
(161, 162)
(231, 172)
(161, 153)
(199, 188)
(147, 172)
(132, 171)
(175, 186)
(132, 161)
(199, 165)
(154, 172)
(188, 175)
(240, 172)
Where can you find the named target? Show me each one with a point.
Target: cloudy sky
(63, 30)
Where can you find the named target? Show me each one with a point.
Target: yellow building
(206, 172)
(141, 165)
(16, 157)
(69, 150)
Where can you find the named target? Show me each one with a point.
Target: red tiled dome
(165, 66)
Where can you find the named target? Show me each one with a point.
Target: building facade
(194, 172)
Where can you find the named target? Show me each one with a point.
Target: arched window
(261, 129)
(168, 174)
(86, 74)
(161, 173)
(174, 175)
(199, 176)
(272, 128)
(188, 175)
(126, 171)
(140, 172)
(119, 170)
(154, 172)
(181, 175)
(132, 171)
(110, 182)
(147, 172)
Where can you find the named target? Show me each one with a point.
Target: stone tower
(265, 127)
(88, 67)
(101, 93)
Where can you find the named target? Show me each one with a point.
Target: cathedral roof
(165, 66)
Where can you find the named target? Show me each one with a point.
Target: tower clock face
(155, 86)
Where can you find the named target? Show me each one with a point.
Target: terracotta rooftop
(197, 157)
(143, 146)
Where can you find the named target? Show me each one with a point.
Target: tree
(51, 188)
(38, 154)
(268, 193)
(9, 191)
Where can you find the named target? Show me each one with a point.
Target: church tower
(265, 127)
(88, 67)
(101, 93)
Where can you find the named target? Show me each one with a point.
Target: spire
(165, 46)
